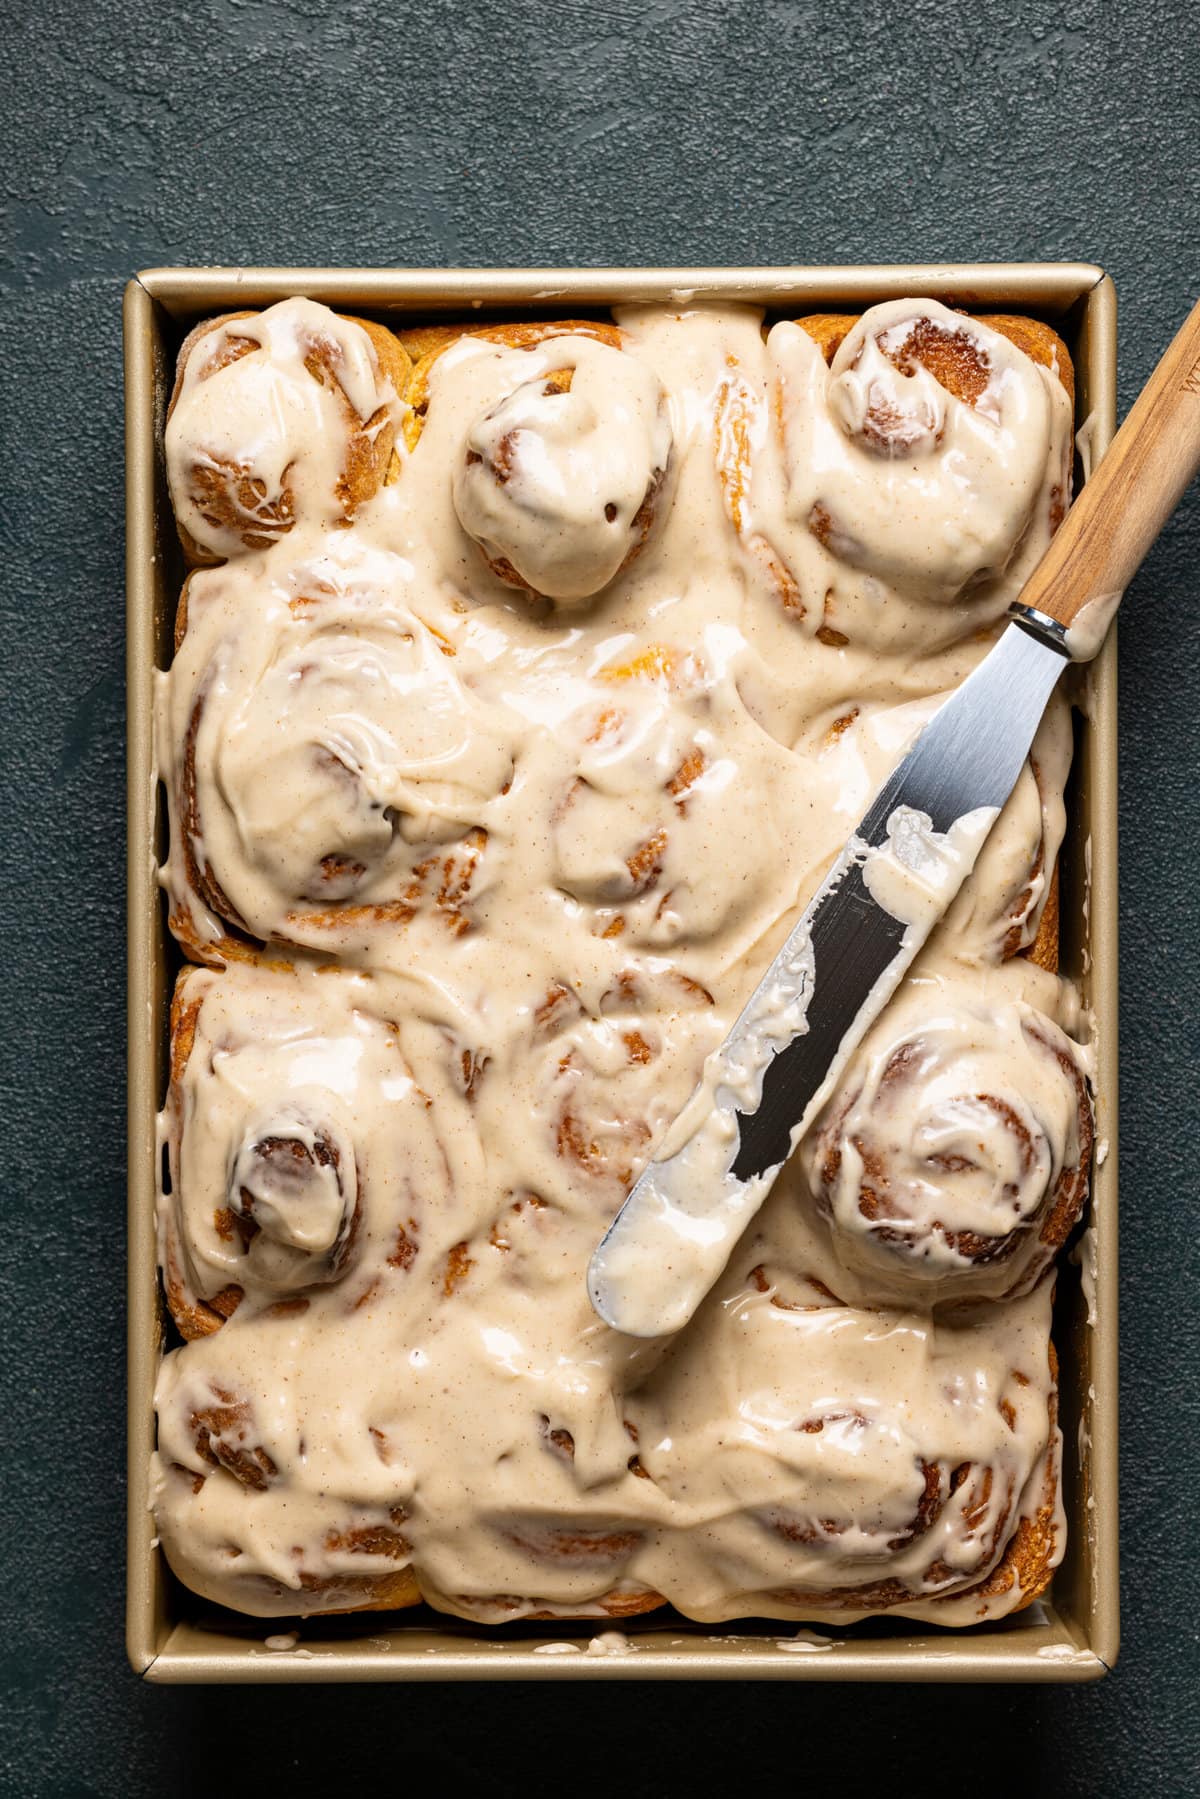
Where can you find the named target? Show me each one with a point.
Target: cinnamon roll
(329, 770)
(928, 463)
(598, 1095)
(280, 1162)
(662, 746)
(1011, 891)
(220, 1471)
(277, 416)
(879, 1462)
(953, 1159)
(1008, 905)
(560, 475)
(223, 1480)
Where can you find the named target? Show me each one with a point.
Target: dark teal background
(641, 131)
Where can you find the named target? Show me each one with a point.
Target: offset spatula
(893, 880)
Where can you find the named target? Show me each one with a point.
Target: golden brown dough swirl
(953, 1159)
(652, 787)
(329, 771)
(929, 462)
(275, 416)
(599, 1081)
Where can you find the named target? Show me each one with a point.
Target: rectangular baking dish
(174, 1637)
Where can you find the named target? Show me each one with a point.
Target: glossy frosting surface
(520, 853)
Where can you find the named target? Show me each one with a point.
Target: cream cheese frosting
(960, 1123)
(271, 411)
(557, 473)
(519, 853)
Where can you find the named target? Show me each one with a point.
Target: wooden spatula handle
(1123, 507)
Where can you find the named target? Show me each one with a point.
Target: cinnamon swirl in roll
(560, 476)
(276, 416)
(878, 1462)
(953, 1159)
(329, 771)
(598, 1084)
(653, 786)
(928, 463)
(280, 1164)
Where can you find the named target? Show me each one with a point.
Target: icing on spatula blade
(839, 966)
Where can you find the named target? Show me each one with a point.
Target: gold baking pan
(174, 1637)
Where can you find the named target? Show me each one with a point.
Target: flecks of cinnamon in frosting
(519, 867)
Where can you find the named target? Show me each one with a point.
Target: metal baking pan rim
(1075, 1636)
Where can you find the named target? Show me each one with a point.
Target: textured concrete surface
(591, 131)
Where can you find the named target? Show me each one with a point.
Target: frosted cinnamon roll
(930, 457)
(668, 765)
(292, 1123)
(218, 1479)
(328, 769)
(953, 1159)
(559, 478)
(875, 1462)
(605, 1086)
(244, 1523)
(278, 416)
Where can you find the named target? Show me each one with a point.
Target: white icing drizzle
(519, 867)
